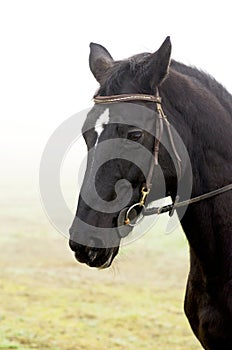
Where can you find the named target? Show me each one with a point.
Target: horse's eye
(134, 135)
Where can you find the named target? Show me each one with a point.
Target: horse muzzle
(94, 257)
(94, 246)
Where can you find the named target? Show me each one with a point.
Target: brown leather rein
(161, 122)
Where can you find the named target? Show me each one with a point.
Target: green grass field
(49, 301)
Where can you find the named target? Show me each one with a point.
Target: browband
(127, 97)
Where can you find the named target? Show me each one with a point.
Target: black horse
(200, 110)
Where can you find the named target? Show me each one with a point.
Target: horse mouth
(100, 258)
(108, 262)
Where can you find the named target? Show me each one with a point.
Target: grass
(50, 302)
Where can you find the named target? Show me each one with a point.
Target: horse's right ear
(157, 65)
(99, 61)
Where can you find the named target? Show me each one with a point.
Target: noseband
(161, 122)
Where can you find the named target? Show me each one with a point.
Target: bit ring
(127, 220)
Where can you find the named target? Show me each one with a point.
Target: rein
(177, 204)
(161, 122)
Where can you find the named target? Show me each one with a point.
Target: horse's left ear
(100, 61)
(157, 65)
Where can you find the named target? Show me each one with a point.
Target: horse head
(120, 140)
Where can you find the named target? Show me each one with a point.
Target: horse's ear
(157, 65)
(99, 61)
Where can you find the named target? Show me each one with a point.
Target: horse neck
(204, 125)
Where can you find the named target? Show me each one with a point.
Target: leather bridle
(162, 122)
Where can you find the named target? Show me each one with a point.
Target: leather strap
(176, 205)
(126, 97)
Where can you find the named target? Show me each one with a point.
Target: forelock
(121, 70)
